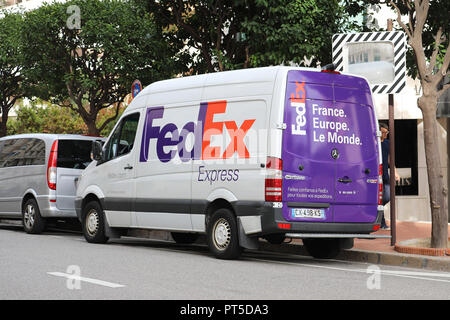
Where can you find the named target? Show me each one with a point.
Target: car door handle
(128, 167)
(345, 180)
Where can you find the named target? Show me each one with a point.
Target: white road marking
(403, 274)
(90, 280)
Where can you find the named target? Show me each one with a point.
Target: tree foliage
(11, 65)
(231, 34)
(41, 117)
(85, 54)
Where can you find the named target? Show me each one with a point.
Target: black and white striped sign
(398, 39)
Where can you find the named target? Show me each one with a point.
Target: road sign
(136, 88)
(378, 56)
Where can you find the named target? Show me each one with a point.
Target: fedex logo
(171, 140)
(299, 104)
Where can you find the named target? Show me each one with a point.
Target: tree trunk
(438, 203)
(3, 124)
(92, 128)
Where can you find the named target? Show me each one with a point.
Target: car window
(74, 154)
(34, 152)
(10, 153)
(22, 152)
(122, 139)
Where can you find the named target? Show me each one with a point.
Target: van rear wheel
(323, 248)
(33, 222)
(223, 236)
(93, 224)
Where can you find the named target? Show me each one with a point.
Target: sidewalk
(406, 252)
(406, 230)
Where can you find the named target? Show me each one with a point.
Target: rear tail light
(286, 226)
(51, 167)
(380, 185)
(274, 179)
(330, 71)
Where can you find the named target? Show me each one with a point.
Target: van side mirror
(97, 151)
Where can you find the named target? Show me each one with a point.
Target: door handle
(345, 180)
(128, 167)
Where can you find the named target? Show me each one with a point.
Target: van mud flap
(245, 241)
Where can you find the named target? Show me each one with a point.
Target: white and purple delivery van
(276, 152)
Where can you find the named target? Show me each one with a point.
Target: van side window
(34, 153)
(22, 152)
(122, 139)
(10, 153)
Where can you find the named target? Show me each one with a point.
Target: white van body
(203, 143)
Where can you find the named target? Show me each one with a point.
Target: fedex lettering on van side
(298, 102)
(172, 140)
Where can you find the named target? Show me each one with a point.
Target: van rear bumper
(273, 217)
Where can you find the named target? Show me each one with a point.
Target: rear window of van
(74, 154)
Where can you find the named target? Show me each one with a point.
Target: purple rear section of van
(330, 154)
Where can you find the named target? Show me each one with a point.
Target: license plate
(308, 213)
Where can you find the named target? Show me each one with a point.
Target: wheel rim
(222, 234)
(29, 216)
(92, 222)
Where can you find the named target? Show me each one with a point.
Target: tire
(184, 238)
(33, 223)
(323, 248)
(93, 224)
(223, 236)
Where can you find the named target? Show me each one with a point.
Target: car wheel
(33, 222)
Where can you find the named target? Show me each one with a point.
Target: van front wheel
(93, 225)
(223, 237)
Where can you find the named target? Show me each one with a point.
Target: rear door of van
(330, 155)
(357, 165)
(73, 156)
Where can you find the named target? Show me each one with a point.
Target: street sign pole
(392, 157)
(392, 167)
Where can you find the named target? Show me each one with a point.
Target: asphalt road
(61, 265)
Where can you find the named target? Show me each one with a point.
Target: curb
(409, 246)
(382, 258)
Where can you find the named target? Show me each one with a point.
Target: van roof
(233, 76)
(254, 75)
(51, 136)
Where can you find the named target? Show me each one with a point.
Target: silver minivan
(38, 176)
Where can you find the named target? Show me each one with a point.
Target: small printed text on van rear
(315, 193)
